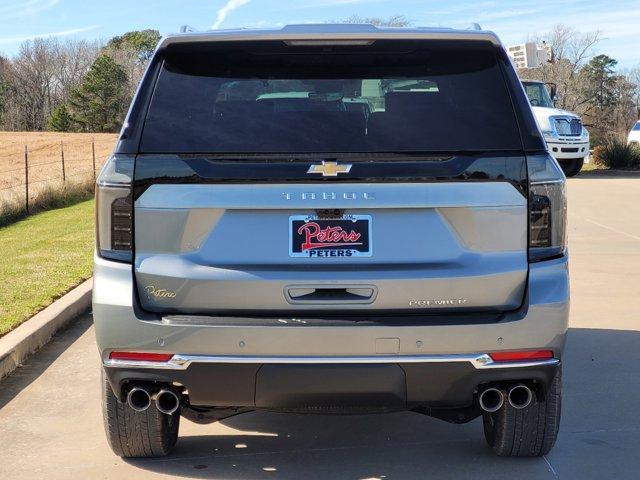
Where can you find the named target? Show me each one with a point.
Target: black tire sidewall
(134, 434)
(529, 432)
(571, 167)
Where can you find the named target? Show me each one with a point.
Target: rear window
(387, 97)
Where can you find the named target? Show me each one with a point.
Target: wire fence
(27, 170)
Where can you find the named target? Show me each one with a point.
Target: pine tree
(60, 119)
(100, 103)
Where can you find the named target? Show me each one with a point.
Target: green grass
(41, 258)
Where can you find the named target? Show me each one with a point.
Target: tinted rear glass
(387, 97)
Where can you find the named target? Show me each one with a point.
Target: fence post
(26, 179)
(93, 155)
(64, 176)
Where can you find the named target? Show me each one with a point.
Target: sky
(513, 21)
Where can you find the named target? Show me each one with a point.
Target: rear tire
(137, 434)
(572, 167)
(528, 432)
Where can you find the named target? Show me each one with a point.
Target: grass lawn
(43, 257)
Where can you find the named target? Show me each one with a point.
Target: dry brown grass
(45, 166)
(48, 197)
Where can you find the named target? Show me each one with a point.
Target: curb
(614, 173)
(20, 343)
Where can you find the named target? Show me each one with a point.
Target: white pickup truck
(567, 140)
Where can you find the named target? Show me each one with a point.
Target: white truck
(634, 135)
(567, 139)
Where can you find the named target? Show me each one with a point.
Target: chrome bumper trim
(182, 362)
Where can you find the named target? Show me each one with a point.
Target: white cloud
(62, 33)
(230, 6)
(21, 8)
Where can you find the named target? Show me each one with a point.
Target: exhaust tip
(167, 401)
(491, 400)
(520, 396)
(138, 399)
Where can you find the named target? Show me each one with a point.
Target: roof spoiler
(331, 33)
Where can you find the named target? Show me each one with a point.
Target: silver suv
(331, 219)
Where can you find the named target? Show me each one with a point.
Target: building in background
(529, 55)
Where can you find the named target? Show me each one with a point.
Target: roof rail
(187, 29)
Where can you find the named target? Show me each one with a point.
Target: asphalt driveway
(51, 424)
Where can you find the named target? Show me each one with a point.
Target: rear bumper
(435, 363)
(392, 384)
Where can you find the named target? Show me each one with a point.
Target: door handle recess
(330, 294)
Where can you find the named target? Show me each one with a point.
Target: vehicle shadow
(601, 395)
(35, 365)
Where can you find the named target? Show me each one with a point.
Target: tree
(72, 60)
(611, 97)
(570, 45)
(143, 42)
(46, 71)
(570, 51)
(633, 77)
(392, 21)
(599, 88)
(60, 120)
(5, 65)
(100, 103)
(32, 79)
(41, 77)
(132, 51)
(601, 81)
(624, 108)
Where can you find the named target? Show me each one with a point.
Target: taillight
(114, 207)
(547, 208)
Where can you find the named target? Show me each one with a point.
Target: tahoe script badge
(347, 236)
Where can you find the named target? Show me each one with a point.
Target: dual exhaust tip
(167, 401)
(492, 399)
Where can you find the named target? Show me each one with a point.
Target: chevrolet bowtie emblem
(330, 169)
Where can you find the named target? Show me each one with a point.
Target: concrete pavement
(51, 425)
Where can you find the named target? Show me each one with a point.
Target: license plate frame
(349, 236)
